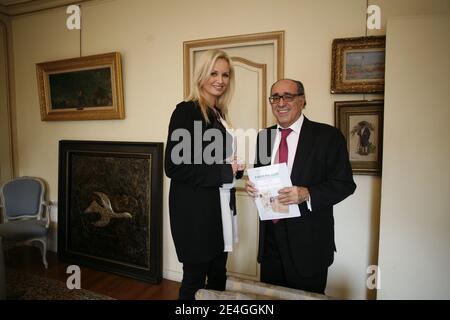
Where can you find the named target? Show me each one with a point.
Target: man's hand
(293, 195)
(250, 188)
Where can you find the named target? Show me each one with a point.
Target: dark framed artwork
(358, 65)
(361, 122)
(85, 88)
(110, 207)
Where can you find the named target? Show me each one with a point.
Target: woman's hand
(250, 188)
(237, 165)
(234, 166)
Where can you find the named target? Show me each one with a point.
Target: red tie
(283, 151)
(283, 148)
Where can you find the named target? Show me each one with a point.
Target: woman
(197, 160)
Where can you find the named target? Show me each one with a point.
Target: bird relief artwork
(109, 206)
(105, 210)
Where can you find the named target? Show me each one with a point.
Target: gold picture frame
(358, 65)
(361, 123)
(85, 88)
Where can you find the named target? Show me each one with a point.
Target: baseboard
(172, 275)
(53, 246)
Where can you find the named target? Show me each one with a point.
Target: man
(364, 136)
(296, 252)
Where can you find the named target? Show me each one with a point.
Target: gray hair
(299, 84)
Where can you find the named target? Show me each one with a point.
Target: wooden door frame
(275, 37)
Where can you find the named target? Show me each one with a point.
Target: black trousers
(277, 266)
(196, 274)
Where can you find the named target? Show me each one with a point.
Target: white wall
(415, 222)
(149, 35)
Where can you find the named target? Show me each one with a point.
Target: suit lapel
(304, 148)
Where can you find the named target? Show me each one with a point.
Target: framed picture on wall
(357, 65)
(110, 206)
(361, 123)
(85, 88)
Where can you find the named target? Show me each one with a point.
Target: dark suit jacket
(322, 165)
(194, 200)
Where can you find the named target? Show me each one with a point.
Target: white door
(258, 64)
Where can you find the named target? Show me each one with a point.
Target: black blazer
(322, 165)
(194, 200)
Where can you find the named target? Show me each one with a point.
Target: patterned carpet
(25, 286)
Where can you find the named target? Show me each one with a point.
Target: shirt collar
(296, 126)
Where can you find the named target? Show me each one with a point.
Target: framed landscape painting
(85, 88)
(110, 207)
(358, 65)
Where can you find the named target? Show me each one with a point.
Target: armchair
(25, 213)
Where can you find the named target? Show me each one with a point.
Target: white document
(268, 180)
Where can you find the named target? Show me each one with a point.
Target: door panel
(258, 63)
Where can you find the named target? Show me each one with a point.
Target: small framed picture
(85, 88)
(361, 123)
(357, 65)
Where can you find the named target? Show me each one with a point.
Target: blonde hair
(202, 74)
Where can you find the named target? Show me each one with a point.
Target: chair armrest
(48, 205)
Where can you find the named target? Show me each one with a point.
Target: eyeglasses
(288, 97)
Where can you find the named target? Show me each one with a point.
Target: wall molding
(5, 26)
(26, 7)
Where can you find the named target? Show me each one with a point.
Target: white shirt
(229, 220)
(292, 142)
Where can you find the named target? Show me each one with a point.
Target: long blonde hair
(202, 74)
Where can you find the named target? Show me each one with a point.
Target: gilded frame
(361, 123)
(357, 65)
(85, 88)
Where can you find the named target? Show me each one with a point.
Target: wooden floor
(29, 259)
